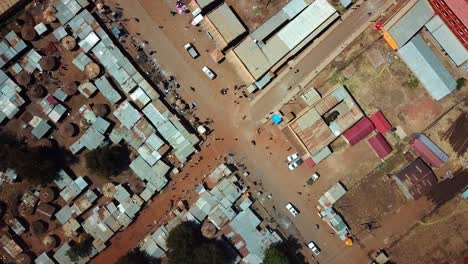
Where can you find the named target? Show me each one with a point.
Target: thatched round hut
(68, 130)
(70, 88)
(25, 210)
(23, 258)
(23, 78)
(92, 70)
(69, 42)
(36, 91)
(47, 195)
(208, 230)
(101, 109)
(108, 190)
(50, 241)
(48, 63)
(28, 33)
(49, 14)
(39, 227)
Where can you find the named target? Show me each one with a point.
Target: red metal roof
(380, 146)
(416, 179)
(460, 8)
(380, 122)
(309, 162)
(426, 154)
(359, 131)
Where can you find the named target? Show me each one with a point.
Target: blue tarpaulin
(117, 32)
(276, 119)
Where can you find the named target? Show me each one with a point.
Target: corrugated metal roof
(411, 22)
(380, 122)
(427, 68)
(359, 131)
(447, 40)
(226, 22)
(429, 151)
(104, 86)
(346, 3)
(380, 145)
(416, 179)
(306, 22)
(460, 8)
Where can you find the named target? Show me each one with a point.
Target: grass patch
(337, 78)
(411, 83)
(460, 83)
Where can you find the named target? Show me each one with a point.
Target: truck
(191, 50)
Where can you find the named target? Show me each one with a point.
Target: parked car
(191, 50)
(314, 248)
(209, 73)
(293, 157)
(293, 210)
(295, 164)
(313, 178)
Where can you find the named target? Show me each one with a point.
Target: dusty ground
(438, 238)
(253, 13)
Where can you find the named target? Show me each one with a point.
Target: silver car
(209, 72)
(314, 248)
(295, 164)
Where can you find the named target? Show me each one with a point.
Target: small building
(359, 131)
(10, 47)
(40, 127)
(127, 114)
(73, 190)
(447, 40)
(46, 210)
(87, 89)
(429, 70)
(60, 95)
(332, 195)
(154, 174)
(380, 122)
(10, 246)
(104, 86)
(380, 146)
(43, 259)
(224, 26)
(336, 222)
(416, 180)
(407, 22)
(429, 152)
(40, 28)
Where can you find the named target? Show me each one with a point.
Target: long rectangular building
(258, 57)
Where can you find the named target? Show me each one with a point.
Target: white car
(191, 50)
(209, 73)
(293, 210)
(295, 164)
(314, 248)
(313, 178)
(293, 157)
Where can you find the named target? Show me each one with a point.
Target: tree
(275, 254)
(38, 165)
(136, 256)
(187, 245)
(108, 161)
(80, 250)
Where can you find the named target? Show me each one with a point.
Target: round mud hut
(48, 63)
(47, 195)
(68, 130)
(28, 33)
(36, 91)
(49, 14)
(50, 241)
(70, 88)
(101, 110)
(39, 227)
(23, 78)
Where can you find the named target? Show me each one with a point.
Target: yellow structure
(389, 39)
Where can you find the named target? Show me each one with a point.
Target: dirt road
(265, 160)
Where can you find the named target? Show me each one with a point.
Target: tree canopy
(38, 165)
(187, 245)
(80, 250)
(275, 254)
(108, 161)
(136, 256)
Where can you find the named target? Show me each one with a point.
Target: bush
(275, 254)
(460, 83)
(108, 161)
(186, 244)
(411, 83)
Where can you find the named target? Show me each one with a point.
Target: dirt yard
(253, 13)
(439, 238)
